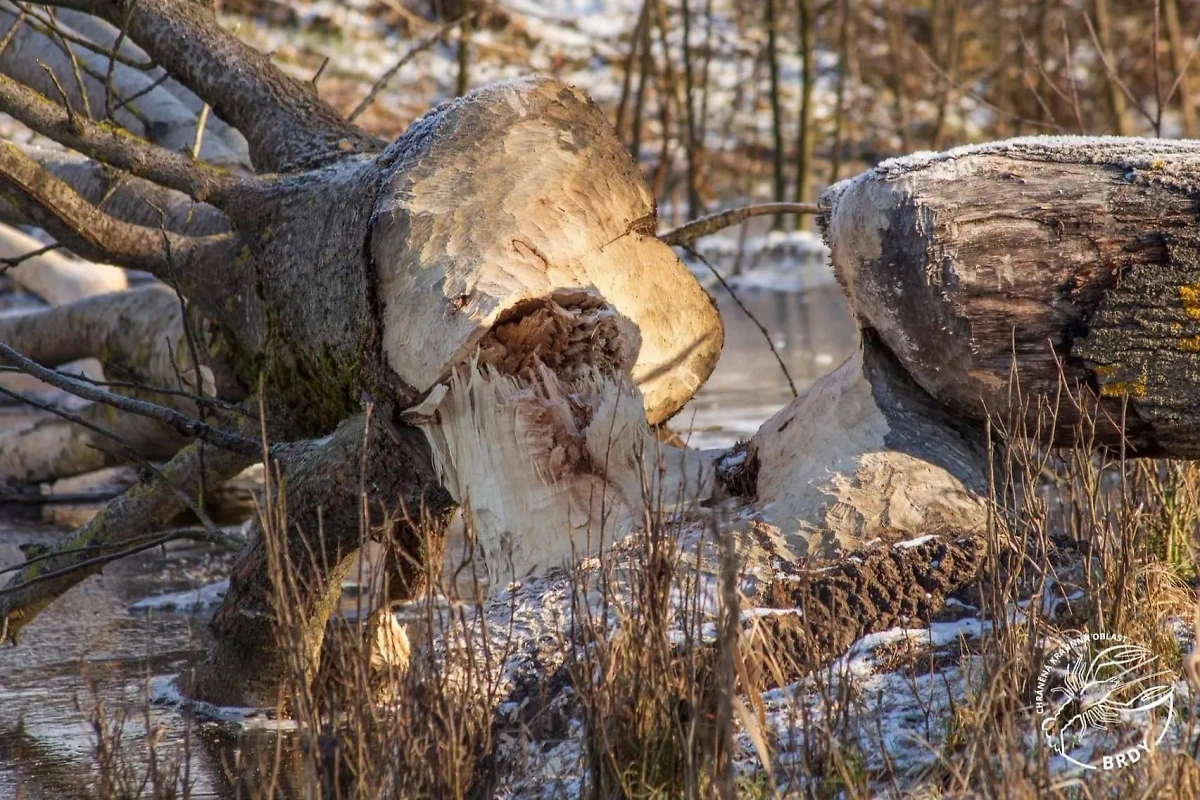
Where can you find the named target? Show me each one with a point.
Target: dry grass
(670, 690)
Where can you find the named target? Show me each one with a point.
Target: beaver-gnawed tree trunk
(502, 247)
(479, 314)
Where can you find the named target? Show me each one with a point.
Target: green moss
(315, 390)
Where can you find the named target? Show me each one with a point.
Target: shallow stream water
(91, 652)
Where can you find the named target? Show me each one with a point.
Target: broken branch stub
(1063, 262)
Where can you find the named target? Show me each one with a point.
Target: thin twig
(70, 54)
(1158, 98)
(143, 66)
(184, 424)
(150, 539)
(748, 313)
(1174, 86)
(418, 48)
(112, 62)
(211, 402)
(20, 18)
(684, 235)
(62, 94)
(188, 333)
(90, 562)
(201, 121)
(1113, 76)
(320, 71)
(12, 261)
(159, 81)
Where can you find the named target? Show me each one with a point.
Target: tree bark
(286, 125)
(372, 472)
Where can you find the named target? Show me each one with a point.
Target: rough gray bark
(1067, 263)
(127, 198)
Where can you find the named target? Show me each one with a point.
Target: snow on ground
(205, 598)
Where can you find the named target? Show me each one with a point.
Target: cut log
(519, 198)
(1067, 263)
(518, 274)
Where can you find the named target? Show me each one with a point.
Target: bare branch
(184, 424)
(137, 545)
(761, 328)
(110, 145)
(52, 204)
(127, 198)
(211, 402)
(419, 47)
(684, 235)
(286, 124)
(57, 29)
(9, 263)
(137, 512)
(18, 20)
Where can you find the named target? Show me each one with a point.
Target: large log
(1065, 262)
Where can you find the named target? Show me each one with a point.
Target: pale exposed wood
(518, 196)
(863, 454)
(547, 469)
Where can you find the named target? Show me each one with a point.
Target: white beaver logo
(1082, 692)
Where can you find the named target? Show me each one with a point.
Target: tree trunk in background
(845, 59)
(894, 23)
(806, 134)
(776, 110)
(1116, 98)
(464, 50)
(694, 146)
(1180, 65)
(946, 44)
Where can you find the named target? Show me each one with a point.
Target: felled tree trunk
(507, 235)
(1026, 270)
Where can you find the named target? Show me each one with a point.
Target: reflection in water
(89, 647)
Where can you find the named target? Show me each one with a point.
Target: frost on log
(479, 315)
